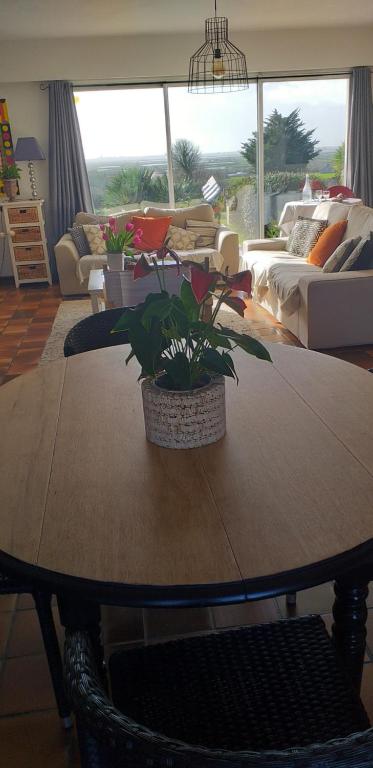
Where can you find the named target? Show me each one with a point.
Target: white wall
(28, 115)
(158, 56)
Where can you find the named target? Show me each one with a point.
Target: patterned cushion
(80, 241)
(205, 231)
(94, 236)
(342, 252)
(181, 239)
(305, 235)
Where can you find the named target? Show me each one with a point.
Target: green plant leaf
(190, 304)
(247, 343)
(228, 360)
(214, 362)
(178, 371)
(160, 308)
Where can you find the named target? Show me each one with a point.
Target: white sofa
(325, 310)
(73, 271)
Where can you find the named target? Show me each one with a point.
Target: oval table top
(84, 496)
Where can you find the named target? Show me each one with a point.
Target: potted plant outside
(119, 242)
(9, 174)
(184, 359)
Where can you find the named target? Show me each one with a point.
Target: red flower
(240, 282)
(201, 283)
(142, 268)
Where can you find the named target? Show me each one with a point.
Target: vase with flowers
(121, 244)
(184, 358)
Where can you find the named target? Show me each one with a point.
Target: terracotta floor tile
(160, 622)
(316, 600)
(246, 613)
(121, 625)
(367, 690)
(25, 685)
(37, 741)
(7, 602)
(5, 625)
(25, 636)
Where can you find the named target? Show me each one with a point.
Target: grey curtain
(359, 171)
(69, 190)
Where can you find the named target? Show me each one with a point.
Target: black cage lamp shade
(218, 65)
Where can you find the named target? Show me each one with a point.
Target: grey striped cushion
(205, 231)
(80, 240)
(305, 235)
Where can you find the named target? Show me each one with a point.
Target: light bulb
(218, 70)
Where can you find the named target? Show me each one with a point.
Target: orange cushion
(327, 243)
(154, 231)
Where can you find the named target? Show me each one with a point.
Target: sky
(130, 122)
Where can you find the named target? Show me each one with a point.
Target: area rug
(70, 312)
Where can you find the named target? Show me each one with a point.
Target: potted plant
(9, 174)
(119, 242)
(184, 359)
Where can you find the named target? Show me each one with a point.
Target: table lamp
(28, 149)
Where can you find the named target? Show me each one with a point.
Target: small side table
(24, 226)
(96, 285)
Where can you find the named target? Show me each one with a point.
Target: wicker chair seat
(268, 695)
(94, 332)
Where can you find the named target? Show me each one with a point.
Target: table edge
(192, 595)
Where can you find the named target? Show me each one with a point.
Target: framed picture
(6, 142)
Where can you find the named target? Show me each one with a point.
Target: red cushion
(154, 231)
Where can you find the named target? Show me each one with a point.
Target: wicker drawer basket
(23, 215)
(26, 235)
(29, 253)
(32, 271)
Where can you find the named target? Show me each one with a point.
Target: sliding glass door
(304, 130)
(208, 164)
(246, 152)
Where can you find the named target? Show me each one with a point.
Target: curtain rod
(297, 75)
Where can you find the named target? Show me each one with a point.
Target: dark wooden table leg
(349, 628)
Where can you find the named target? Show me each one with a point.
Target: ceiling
(22, 19)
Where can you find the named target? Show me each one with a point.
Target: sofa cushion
(304, 235)
(180, 238)
(331, 211)
(123, 217)
(326, 244)
(361, 257)
(79, 239)
(202, 212)
(95, 238)
(342, 252)
(205, 231)
(154, 231)
(359, 222)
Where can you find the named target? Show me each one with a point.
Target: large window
(165, 146)
(304, 130)
(124, 139)
(207, 133)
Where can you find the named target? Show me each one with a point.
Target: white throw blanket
(281, 273)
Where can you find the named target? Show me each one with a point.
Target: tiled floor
(30, 732)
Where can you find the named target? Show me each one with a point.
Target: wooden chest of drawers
(24, 225)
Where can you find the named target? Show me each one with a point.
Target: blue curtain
(69, 190)
(359, 171)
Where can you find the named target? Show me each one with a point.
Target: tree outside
(186, 158)
(338, 163)
(287, 145)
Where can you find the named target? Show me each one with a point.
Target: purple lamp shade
(28, 149)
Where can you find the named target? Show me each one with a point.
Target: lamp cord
(215, 8)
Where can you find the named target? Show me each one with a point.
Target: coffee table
(96, 286)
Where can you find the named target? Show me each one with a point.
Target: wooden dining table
(93, 512)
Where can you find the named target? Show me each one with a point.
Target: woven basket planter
(187, 419)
